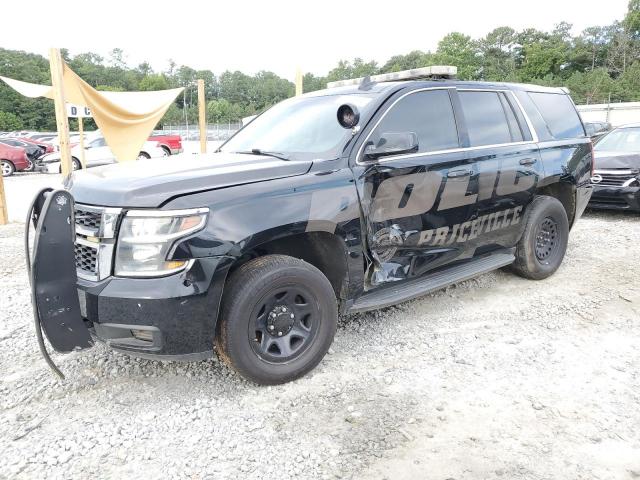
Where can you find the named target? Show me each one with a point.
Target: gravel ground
(497, 377)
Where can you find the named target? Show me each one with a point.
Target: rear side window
(559, 114)
(429, 114)
(489, 118)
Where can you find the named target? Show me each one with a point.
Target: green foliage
(9, 122)
(602, 63)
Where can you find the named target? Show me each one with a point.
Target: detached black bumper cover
(615, 198)
(170, 317)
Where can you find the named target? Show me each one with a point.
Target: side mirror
(391, 143)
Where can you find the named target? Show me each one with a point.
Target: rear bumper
(175, 151)
(20, 164)
(616, 198)
(172, 317)
(583, 195)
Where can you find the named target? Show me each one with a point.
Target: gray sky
(276, 35)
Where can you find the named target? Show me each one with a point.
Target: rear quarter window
(559, 114)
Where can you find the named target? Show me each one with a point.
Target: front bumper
(175, 151)
(615, 198)
(47, 167)
(177, 314)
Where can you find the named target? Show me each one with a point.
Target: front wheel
(279, 317)
(143, 156)
(541, 249)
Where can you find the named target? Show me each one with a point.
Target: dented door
(410, 201)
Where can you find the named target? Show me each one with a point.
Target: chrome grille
(88, 218)
(613, 177)
(95, 240)
(86, 258)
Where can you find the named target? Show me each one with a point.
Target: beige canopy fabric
(126, 119)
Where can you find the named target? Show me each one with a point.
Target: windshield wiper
(266, 153)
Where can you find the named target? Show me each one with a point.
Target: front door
(415, 203)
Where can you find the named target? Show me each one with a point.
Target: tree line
(599, 65)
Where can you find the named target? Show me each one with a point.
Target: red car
(48, 148)
(13, 159)
(171, 144)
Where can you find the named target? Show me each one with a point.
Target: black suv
(338, 201)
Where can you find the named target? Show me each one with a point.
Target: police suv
(367, 194)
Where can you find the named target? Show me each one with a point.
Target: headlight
(146, 237)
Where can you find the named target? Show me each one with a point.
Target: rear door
(414, 203)
(505, 153)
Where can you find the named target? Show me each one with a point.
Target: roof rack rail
(433, 72)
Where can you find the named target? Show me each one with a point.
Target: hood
(149, 183)
(605, 160)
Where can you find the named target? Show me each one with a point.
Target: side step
(404, 291)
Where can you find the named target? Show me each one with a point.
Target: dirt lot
(497, 377)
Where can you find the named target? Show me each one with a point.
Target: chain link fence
(215, 131)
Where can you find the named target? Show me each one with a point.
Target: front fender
(245, 217)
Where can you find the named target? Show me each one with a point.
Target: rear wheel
(279, 317)
(143, 156)
(541, 249)
(8, 168)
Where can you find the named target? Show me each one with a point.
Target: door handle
(458, 173)
(528, 161)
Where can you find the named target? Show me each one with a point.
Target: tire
(8, 168)
(143, 156)
(279, 317)
(543, 244)
(75, 165)
(167, 152)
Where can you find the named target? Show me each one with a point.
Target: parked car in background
(97, 152)
(172, 144)
(595, 130)
(47, 147)
(616, 177)
(33, 151)
(13, 159)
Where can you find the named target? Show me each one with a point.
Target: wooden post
(57, 73)
(81, 132)
(202, 117)
(299, 80)
(4, 215)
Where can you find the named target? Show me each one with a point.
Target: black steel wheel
(279, 316)
(543, 244)
(285, 323)
(547, 238)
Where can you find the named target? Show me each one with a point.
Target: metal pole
(57, 74)
(202, 117)
(81, 131)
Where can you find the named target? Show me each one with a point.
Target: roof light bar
(435, 71)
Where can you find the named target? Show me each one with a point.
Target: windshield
(301, 127)
(621, 140)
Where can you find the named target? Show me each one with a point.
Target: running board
(402, 292)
